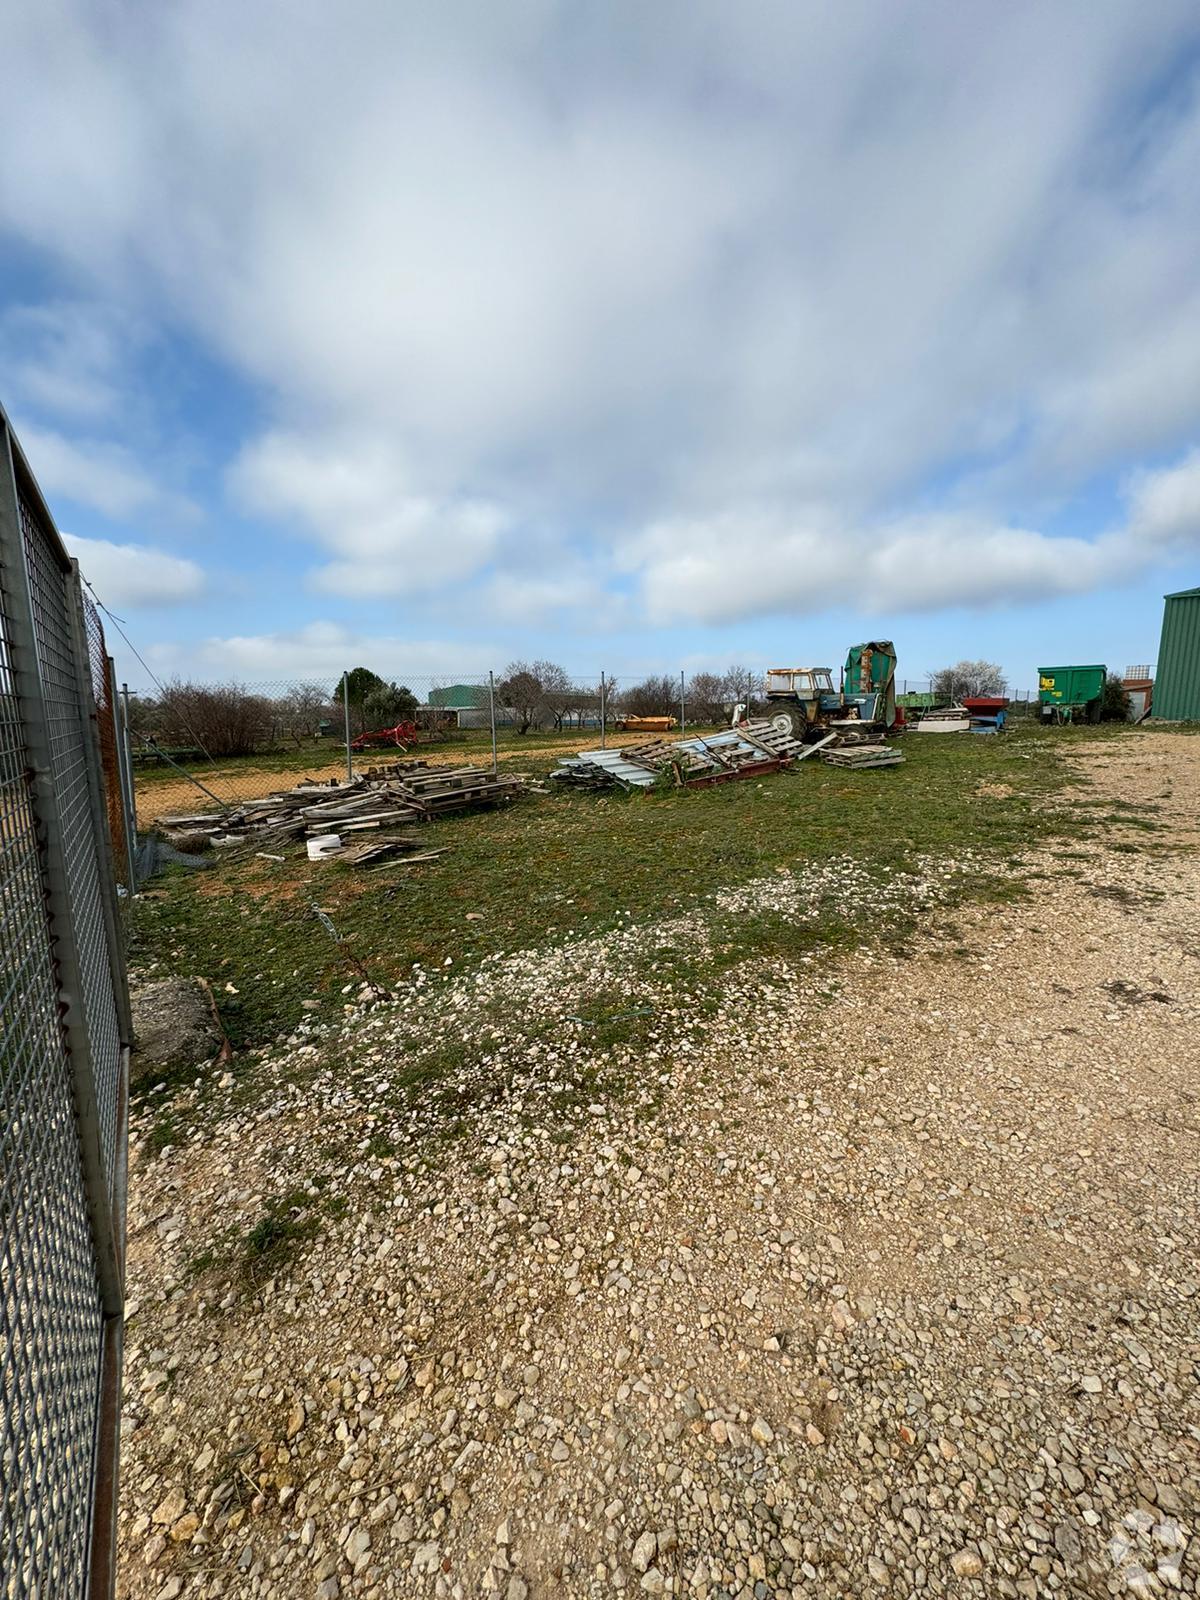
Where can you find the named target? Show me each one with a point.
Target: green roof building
(1177, 680)
(459, 696)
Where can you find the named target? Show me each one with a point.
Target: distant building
(1177, 681)
(1138, 684)
(468, 702)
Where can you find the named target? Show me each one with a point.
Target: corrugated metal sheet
(613, 761)
(1177, 686)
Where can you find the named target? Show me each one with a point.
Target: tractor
(802, 701)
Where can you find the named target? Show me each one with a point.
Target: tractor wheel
(788, 719)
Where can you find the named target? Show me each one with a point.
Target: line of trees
(230, 719)
(540, 694)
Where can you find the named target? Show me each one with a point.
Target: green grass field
(549, 867)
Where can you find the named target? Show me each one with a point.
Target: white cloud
(135, 575)
(324, 650)
(106, 477)
(1165, 505)
(63, 357)
(356, 501)
(490, 267)
(737, 566)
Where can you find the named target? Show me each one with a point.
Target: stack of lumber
(864, 755)
(385, 798)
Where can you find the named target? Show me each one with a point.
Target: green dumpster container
(1071, 694)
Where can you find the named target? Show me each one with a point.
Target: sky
(635, 337)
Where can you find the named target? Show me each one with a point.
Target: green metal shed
(459, 696)
(1177, 680)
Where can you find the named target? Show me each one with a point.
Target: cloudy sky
(635, 335)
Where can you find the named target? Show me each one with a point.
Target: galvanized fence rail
(64, 1041)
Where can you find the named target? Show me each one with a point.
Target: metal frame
(124, 778)
(26, 1438)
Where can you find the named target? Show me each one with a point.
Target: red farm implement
(404, 735)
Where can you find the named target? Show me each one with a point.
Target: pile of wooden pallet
(864, 755)
(742, 752)
(400, 794)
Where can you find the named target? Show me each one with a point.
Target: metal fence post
(603, 715)
(346, 715)
(95, 784)
(492, 715)
(125, 777)
(682, 722)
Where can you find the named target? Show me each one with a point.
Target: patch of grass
(288, 1221)
(545, 869)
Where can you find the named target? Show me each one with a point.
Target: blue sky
(425, 337)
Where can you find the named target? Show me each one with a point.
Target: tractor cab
(802, 701)
(799, 698)
(800, 683)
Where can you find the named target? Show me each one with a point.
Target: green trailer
(1071, 694)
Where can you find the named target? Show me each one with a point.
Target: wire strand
(149, 671)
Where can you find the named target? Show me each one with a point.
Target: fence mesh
(65, 683)
(107, 729)
(57, 1290)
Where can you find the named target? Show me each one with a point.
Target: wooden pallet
(864, 755)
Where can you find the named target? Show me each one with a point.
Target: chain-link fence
(63, 1069)
(197, 746)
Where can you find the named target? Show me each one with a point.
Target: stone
(644, 1551)
(966, 1564)
(170, 1508)
(174, 1027)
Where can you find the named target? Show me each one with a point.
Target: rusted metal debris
(746, 751)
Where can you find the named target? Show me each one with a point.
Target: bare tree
(558, 694)
(653, 697)
(968, 678)
(521, 691)
(224, 719)
(706, 697)
(302, 710)
(741, 686)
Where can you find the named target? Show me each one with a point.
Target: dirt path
(238, 781)
(894, 1291)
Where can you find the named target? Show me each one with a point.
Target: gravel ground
(878, 1274)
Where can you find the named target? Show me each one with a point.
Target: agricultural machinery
(405, 734)
(802, 701)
